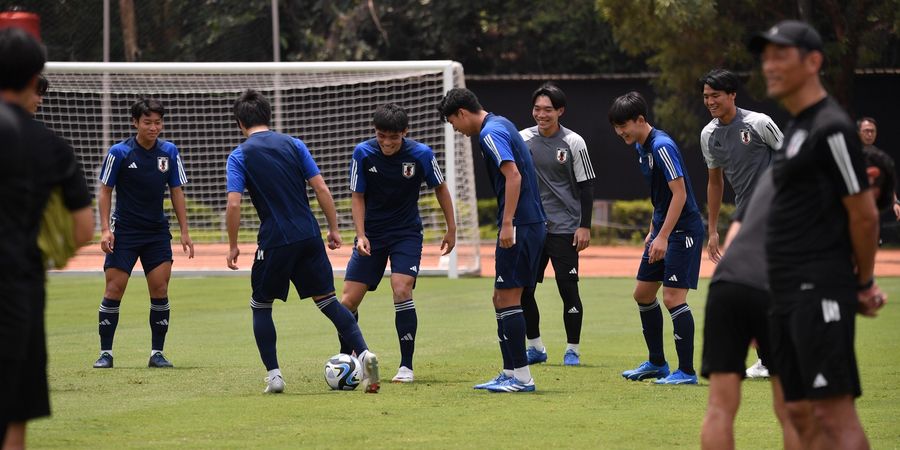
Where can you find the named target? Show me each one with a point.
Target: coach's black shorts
(24, 393)
(559, 250)
(735, 315)
(812, 343)
(302, 263)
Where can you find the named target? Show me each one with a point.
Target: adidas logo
(407, 337)
(677, 337)
(133, 165)
(673, 278)
(499, 279)
(414, 269)
(105, 322)
(820, 382)
(373, 170)
(574, 310)
(163, 322)
(573, 272)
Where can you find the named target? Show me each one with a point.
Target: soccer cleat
(404, 375)
(369, 362)
(758, 370)
(104, 362)
(274, 385)
(647, 370)
(501, 377)
(511, 384)
(678, 377)
(535, 356)
(571, 358)
(158, 360)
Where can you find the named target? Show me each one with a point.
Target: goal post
(328, 105)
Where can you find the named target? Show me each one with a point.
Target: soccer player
(139, 169)
(275, 169)
(36, 162)
(520, 223)
(385, 177)
(868, 132)
(820, 244)
(672, 248)
(740, 144)
(565, 179)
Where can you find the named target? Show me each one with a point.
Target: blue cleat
(535, 356)
(158, 360)
(498, 379)
(511, 384)
(678, 377)
(104, 362)
(647, 370)
(571, 358)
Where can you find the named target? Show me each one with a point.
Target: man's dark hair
(21, 58)
(43, 85)
(553, 92)
(145, 107)
(456, 99)
(720, 80)
(886, 180)
(390, 118)
(865, 119)
(627, 107)
(252, 109)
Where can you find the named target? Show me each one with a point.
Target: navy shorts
(681, 266)
(127, 250)
(404, 251)
(302, 263)
(517, 266)
(559, 250)
(736, 314)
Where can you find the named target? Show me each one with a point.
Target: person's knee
(402, 293)
(673, 298)
(642, 296)
(159, 288)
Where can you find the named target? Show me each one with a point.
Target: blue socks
(512, 332)
(651, 322)
(108, 321)
(407, 323)
(159, 322)
(683, 326)
(344, 322)
(264, 331)
(345, 346)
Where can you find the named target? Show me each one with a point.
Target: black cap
(791, 33)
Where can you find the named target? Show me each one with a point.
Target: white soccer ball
(342, 372)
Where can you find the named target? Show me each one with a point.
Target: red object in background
(27, 21)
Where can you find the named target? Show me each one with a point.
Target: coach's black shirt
(819, 163)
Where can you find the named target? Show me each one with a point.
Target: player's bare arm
(661, 242)
(714, 189)
(104, 202)
(178, 203)
(233, 224)
(326, 202)
(862, 218)
(442, 193)
(358, 210)
(513, 184)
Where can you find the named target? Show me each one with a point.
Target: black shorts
(23, 381)
(812, 343)
(303, 263)
(559, 250)
(735, 315)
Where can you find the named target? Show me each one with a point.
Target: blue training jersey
(661, 163)
(139, 177)
(391, 184)
(274, 168)
(500, 141)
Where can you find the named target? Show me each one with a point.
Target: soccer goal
(327, 105)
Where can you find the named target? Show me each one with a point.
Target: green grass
(213, 398)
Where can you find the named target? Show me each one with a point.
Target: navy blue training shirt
(661, 163)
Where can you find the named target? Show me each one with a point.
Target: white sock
(153, 352)
(508, 372)
(536, 343)
(522, 374)
(273, 373)
(106, 351)
(573, 347)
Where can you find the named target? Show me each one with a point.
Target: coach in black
(821, 242)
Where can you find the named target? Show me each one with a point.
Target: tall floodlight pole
(276, 57)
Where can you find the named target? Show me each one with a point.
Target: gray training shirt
(744, 261)
(742, 148)
(561, 162)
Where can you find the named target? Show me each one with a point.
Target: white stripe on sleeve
(667, 160)
(841, 155)
(182, 176)
(110, 160)
(353, 175)
(489, 140)
(437, 170)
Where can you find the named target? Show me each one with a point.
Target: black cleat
(104, 362)
(158, 360)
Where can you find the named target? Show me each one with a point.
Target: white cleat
(274, 385)
(369, 362)
(404, 375)
(757, 370)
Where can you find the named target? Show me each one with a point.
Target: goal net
(327, 105)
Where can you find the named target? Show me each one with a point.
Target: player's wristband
(867, 285)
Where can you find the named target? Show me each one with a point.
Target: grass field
(213, 398)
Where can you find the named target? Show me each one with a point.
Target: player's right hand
(713, 248)
(507, 236)
(363, 246)
(107, 241)
(231, 260)
(870, 301)
(334, 240)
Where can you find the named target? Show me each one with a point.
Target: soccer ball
(342, 372)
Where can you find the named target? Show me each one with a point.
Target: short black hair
(146, 106)
(553, 92)
(627, 107)
(391, 118)
(43, 85)
(887, 179)
(252, 109)
(21, 58)
(456, 99)
(866, 119)
(720, 80)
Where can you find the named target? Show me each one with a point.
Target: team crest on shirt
(650, 160)
(796, 142)
(162, 163)
(562, 155)
(409, 169)
(745, 136)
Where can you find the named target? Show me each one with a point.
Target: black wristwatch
(867, 285)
